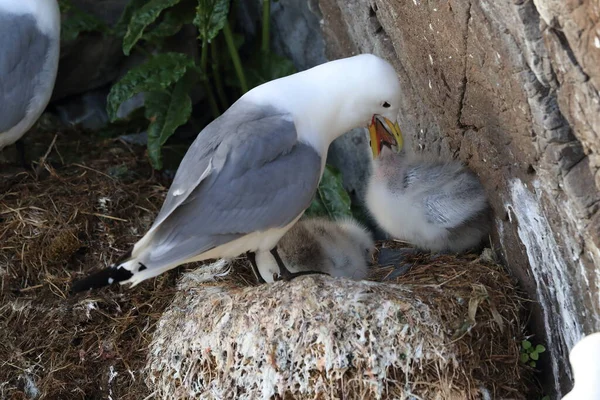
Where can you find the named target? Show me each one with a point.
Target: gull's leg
(252, 258)
(285, 274)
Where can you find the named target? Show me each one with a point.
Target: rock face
(511, 89)
(93, 60)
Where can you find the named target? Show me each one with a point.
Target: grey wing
(209, 151)
(455, 201)
(263, 178)
(23, 51)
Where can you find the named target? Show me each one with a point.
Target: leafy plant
(77, 22)
(331, 199)
(531, 354)
(166, 111)
(211, 17)
(167, 102)
(145, 25)
(141, 18)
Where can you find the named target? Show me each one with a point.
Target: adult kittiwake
(29, 50)
(251, 173)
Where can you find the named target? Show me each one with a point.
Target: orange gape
(379, 134)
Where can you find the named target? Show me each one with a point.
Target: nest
(445, 330)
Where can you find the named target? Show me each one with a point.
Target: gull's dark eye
(386, 105)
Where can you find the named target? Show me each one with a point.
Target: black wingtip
(106, 277)
(100, 279)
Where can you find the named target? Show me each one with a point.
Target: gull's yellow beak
(382, 132)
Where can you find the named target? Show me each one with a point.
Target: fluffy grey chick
(339, 248)
(434, 205)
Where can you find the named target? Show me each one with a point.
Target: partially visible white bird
(29, 52)
(251, 173)
(434, 205)
(585, 361)
(339, 248)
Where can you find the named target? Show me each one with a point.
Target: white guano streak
(548, 268)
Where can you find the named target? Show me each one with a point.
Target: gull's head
(380, 102)
(368, 93)
(338, 96)
(377, 106)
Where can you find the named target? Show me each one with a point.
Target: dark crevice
(463, 86)
(443, 76)
(574, 165)
(373, 10)
(567, 48)
(374, 24)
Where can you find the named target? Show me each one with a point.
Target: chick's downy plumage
(434, 205)
(340, 249)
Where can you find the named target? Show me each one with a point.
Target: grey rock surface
(511, 89)
(93, 59)
(296, 32)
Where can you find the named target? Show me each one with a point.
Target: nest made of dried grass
(448, 329)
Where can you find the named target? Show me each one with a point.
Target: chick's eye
(386, 105)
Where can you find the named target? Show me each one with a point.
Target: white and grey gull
(252, 172)
(29, 53)
(435, 205)
(341, 248)
(585, 362)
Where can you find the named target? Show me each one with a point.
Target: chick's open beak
(384, 132)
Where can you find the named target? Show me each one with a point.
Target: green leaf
(268, 67)
(316, 209)
(331, 198)
(534, 356)
(157, 74)
(211, 16)
(532, 364)
(524, 357)
(77, 21)
(540, 349)
(140, 20)
(120, 28)
(172, 22)
(166, 112)
(526, 344)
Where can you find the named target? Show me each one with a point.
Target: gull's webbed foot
(291, 275)
(285, 274)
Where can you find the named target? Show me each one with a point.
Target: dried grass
(78, 215)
